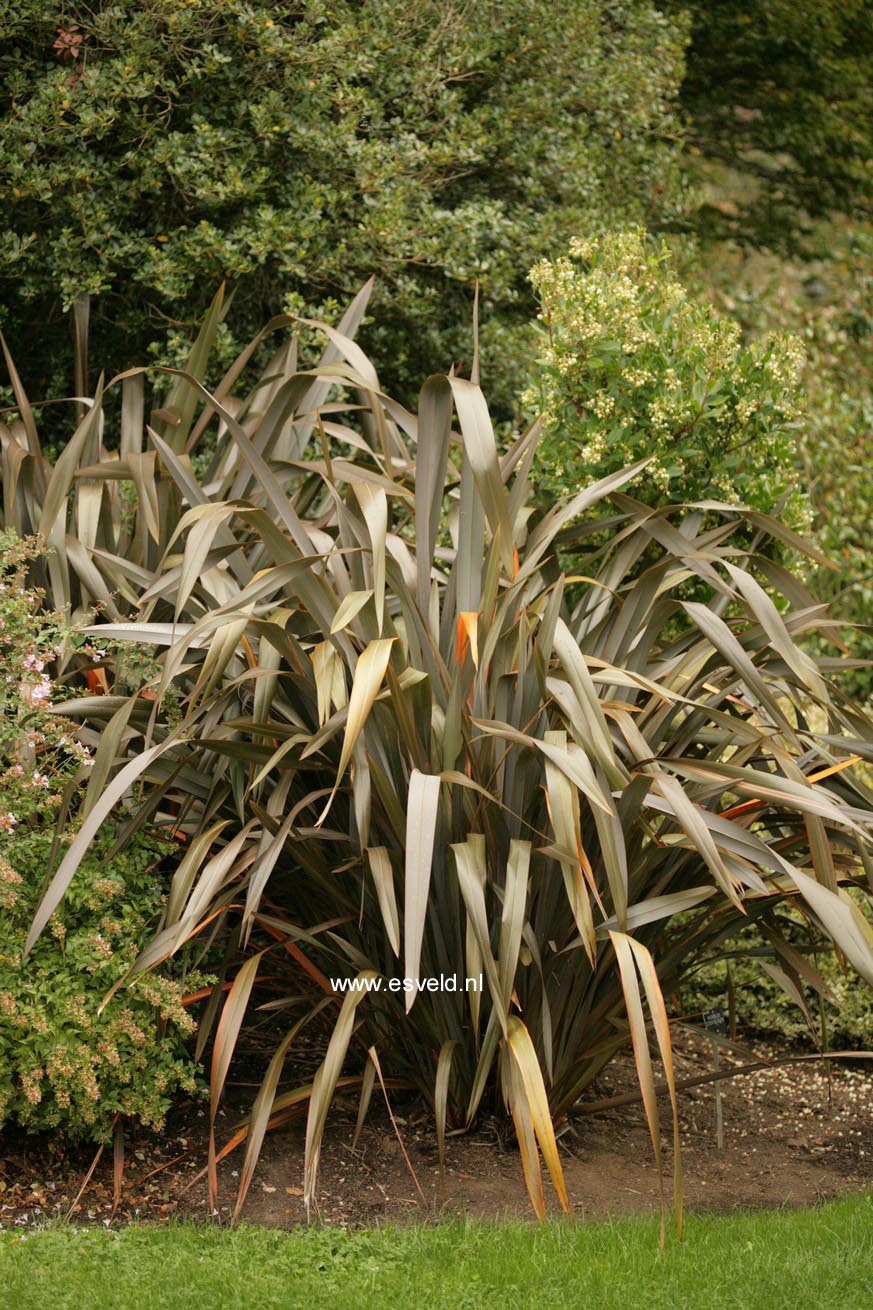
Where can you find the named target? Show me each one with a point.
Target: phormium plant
(402, 752)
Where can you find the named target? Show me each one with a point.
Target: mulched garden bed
(794, 1134)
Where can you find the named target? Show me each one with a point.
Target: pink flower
(37, 694)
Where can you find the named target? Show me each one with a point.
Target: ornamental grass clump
(396, 748)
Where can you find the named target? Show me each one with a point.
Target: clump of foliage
(632, 364)
(795, 986)
(68, 1066)
(150, 149)
(407, 750)
(828, 302)
(780, 93)
(834, 1012)
(65, 1064)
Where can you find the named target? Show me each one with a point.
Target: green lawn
(797, 1260)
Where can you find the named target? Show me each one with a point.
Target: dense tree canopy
(150, 149)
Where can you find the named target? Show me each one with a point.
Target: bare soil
(793, 1135)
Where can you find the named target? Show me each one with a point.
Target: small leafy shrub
(64, 1064)
(632, 364)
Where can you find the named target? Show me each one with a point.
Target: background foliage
(63, 1065)
(779, 99)
(827, 301)
(294, 150)
(780, 90)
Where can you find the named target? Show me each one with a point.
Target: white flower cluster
(632, 365)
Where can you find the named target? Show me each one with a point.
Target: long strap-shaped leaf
(434, 428)
(52, 522)
(383, 880)
(374, 504)
(481, 448)
(421, 819)
(525, 1135)
(182, 401)
(628, 951)
(525, 1057)
(843, 922)
(222, 1053)
(369, 672)
(440, 1097)
(470, 860)
(325, 1081)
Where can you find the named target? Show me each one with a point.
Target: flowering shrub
(39, 753)
(632, 365)
(63, 1063)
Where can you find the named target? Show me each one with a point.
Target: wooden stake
(719, 1114)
